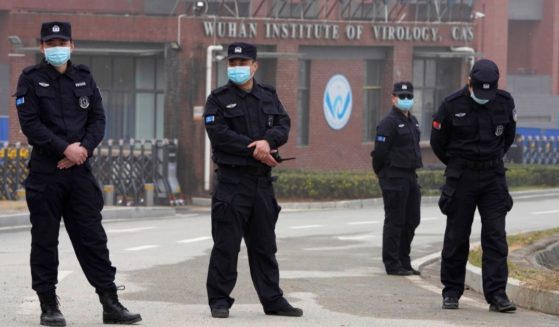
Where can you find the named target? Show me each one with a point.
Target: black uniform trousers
(402, 200)
(244, 205)
(73, 194)
(466, 189)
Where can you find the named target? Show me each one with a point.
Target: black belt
(479, 165)
(249, 170)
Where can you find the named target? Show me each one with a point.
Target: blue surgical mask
(478, 100)
(238, 74)
(404, 104)
(57, 56)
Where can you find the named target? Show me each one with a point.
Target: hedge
(342, 185)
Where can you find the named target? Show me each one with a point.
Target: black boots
(114, 312)
(287, 310)
(501, 303)
(220, 312)
(50, 313)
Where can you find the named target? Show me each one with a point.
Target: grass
(541, 279)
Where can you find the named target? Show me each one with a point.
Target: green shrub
(345, 185)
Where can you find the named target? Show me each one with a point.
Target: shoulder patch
(20, 101)
(220, 89)
(380, 138)
(29, 69)
(83, 68)
(209, 119)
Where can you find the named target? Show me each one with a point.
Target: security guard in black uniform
(471, 133)
(396, 156)
(246, 124)
(60, 111)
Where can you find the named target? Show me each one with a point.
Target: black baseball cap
(56, 30)
(484, 79)
(403, 88)
(241, 50)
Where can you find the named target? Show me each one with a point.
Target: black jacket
(397, 142)
(470, 131)
(235, 118)
(56, 110)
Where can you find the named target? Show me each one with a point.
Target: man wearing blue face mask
(61, 112)
(471, 132)
(396, 157)
(246, 124)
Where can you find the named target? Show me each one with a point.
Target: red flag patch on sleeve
(437, 124)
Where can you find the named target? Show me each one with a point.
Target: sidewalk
(545, 301)
(15, 213)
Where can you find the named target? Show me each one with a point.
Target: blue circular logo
(337, 102)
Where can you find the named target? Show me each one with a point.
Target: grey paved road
(330, 266)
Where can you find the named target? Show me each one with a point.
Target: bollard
(20, 194)
(149, 192)
(109, 194)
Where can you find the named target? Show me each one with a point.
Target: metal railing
(542, 150)
(352, 10)
(134, 172)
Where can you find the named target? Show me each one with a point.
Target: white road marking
(130, 230)
(305, 226)
(143, 247)
(63, 274)
(430, 218)
(357, 272)
(544, 212)
(356, 237)
(196, 239)
(188, 215)
(339, 248)
(364, 222)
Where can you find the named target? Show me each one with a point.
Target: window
(303, 103)
(433, 79)
(302, 9)
(133, 91)
(372, 91)
(368, 10)
(442, 11)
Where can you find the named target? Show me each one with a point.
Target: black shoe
(501, 303)
(220, 312)
(413, 271)
(450, 302)
(113, 311)
(50, 313)
(287, 310)
(400, 272)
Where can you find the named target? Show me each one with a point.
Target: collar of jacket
(53, 74)
(256, 89)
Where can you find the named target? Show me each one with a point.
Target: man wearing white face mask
(246, 124)
(472, 130)
(61, 113)
(396, 157)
